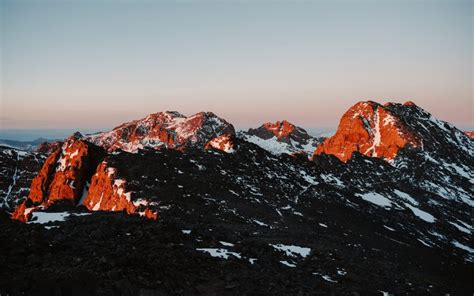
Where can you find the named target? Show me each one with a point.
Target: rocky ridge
(245, 220)
(164, 130)
(282, 137)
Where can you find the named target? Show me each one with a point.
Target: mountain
(470, 134)
(235, 219)
(282, 137)
(25, 145)
(382, 130)
(165, 130)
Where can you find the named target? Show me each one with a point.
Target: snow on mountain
(164, 130)
(382, 130)
(17, 169)
(393, 186)
(281, 137)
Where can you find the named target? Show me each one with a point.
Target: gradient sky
(96, 64)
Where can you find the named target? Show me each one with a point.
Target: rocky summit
(176, 205)
(282, 137)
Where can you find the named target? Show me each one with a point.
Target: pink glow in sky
(96, 65)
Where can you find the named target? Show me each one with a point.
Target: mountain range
(172, 204)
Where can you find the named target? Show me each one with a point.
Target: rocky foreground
(118, 254)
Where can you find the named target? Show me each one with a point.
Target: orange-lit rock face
(21, 213)
(470, 134)
(109, 193)
(62, 176)
(371, 129)
(164, 129)
(280, 129)
(224, 143)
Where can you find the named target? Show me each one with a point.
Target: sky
(86, 65)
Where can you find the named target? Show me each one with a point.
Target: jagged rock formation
(62, 176)
(164, 130)
(282, 137)
(107, 192)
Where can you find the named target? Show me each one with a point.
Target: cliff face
(62, 176)
(107, 192)
(371, 129)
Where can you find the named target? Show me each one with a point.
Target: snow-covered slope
(282, 137)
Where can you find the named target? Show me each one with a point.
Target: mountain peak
(377, 130)
(371, 129)
(409, 103)
(282, 137)
(169, 129)
(280, 128)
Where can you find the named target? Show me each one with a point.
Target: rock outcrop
(371, 129)
(107, 192)
(62, 176)
(164, 130)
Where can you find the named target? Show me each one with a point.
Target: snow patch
(421, 214)
(376, 198)
(219, 253)
(284, 262)
(292, 250)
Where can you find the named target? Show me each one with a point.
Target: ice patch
(219, 253)
(259, 222)
(45, 217)
(325, 277)
(226, 244)
(252, 260)
(376, 135)
(376, 198)
(272, 145)
(284, 262)
(406, 197)
(463, 247)
(292, 250)
(421, 214)
(462, 228)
